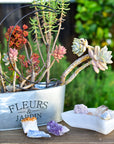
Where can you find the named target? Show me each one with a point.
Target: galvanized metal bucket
(45, 104)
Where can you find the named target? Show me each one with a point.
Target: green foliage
(91, 89)
(94, 20)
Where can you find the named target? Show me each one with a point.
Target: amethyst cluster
(56, 129)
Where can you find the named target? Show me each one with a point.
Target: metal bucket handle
(46, 8)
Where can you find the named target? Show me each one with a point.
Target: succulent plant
(12, 54)
(59, 52)
(6, 59)
(36, 61)
(100, 58)
(79, 46)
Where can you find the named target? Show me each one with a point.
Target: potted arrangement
(26, 87)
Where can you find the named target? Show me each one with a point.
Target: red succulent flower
(25, 27)
(18, 37)
(34, 59)
(25, 33)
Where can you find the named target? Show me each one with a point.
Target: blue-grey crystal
(37, 134)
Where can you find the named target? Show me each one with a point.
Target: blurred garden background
(89, 19)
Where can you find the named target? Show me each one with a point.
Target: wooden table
(75, 136)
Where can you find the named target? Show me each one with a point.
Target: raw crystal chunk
(29, 124)
(100, 110)
(106, 115)
(56, 129)
(37, 134)
(80, 109)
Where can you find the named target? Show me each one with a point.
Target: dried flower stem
(72, 66)
(77, 72)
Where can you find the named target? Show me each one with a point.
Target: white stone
(91, 122)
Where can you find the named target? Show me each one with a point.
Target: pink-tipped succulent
(100, 58)
(59, 52)
(13, 54)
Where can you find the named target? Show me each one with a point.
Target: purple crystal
(56, 129)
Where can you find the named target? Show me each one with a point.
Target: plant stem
(37, 16)
(24, 81)
(72, 66)
(38, 46)
(30, 47)
(44, 24)
(14, 78)
(91, 47)
(58, 32)
(43, 74)
(2, 80)
(77, 72)
(26, 52)
(48, 64)
(28, 57)
(28, 86)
